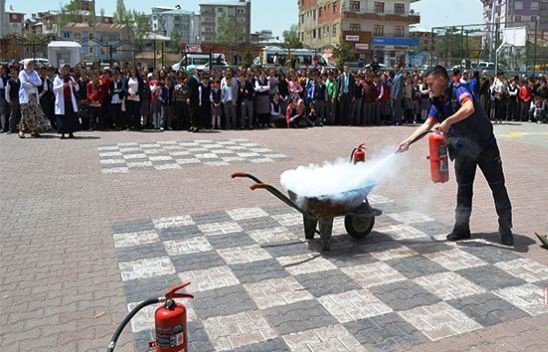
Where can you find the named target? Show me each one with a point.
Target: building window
(379, 30)
(355, 27)
(517, 19)
(334, 30)
(354, 5)
(66, 35)
(313, 34)
(220, 10)
(518, 5)
(533, 18)
(314, 15)
(534, 6)
(399, 9)
(319, 12)
(399, 31)
(14, 17)
(240, 11)
(379, 7)
(335, 7)
(302, 18)
(319, 33)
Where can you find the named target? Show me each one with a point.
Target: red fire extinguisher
(439, 163)
(170, 322)
(358, 154)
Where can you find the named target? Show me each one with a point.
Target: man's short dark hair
(438, 71)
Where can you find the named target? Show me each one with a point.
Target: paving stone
(333, 339)
(415, 266)
(279, 210)
(222, 301)
(384, 220)
(448, 285)
(386, 333)
(305, 263)
(246, 254)
(345, 257)
(403, 295)
(132, 226)
(389, 250)
(528, 297)
(237, 330)
(488, 253)
(145, 268)
(287, 248)
(455, 259)
(139, 290)
(272, 235)
(198, 340)
(210, 278)
(187, 246)
(298, 316)
(409, 217)
(353, 305)
(213, 217)
(289, 219)
(258, 271)
(425, 246)
(432, 228)
(179, 233)
(175, 221)
(197, 261)
(238, 239)
(326, 282)
(263, 223)
(439, 320)
(132, 239)
(150, 250)
(373, 274)
(488, 309)
(220, 228)
(401, 232)
(276, 292)
(274, 345)
(246, 213)
(526, 269)
(490, 277)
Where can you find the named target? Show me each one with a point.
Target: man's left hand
(444, 126)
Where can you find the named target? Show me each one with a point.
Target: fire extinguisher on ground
(439, 161)
(170, 322)
(358, 154)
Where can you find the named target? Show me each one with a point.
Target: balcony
(388, 14)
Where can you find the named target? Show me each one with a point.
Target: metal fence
(469, 45)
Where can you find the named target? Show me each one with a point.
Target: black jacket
(351, 84)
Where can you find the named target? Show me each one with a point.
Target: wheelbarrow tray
(340, 204)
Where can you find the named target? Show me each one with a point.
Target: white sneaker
(161, 129)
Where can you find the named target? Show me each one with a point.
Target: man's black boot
(459, 233)
(505, 226)
(461, 230)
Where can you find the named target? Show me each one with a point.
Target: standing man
(4, 106)
(346, 95)
(332, 93)
(396, 97)
(193, 101)
(471, 144)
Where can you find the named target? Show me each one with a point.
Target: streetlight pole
(94, 32)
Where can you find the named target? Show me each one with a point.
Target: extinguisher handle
(182, 295)
(172, 293)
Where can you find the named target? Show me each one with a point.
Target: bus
(273, 56)
(199, 61)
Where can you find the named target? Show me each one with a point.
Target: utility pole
(94, 32)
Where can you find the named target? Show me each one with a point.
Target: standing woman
(32, 115)
(66, 105)
(133, 87)
(262, 99)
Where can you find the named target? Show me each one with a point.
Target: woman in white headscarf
(66, 105)
(32, 115)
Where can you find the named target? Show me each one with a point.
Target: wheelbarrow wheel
(359, 226)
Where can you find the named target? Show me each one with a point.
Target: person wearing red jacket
(106, 81)
(96, 97)
(525, 97)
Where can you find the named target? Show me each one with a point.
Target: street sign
(352, 38)
(360, 46)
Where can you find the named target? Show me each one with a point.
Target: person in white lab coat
(66, 105)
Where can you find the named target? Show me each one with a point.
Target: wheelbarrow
(319, 212)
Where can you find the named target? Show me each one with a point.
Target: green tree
(122, 15)
(291, 38)
(247, 59)
(141, 26)
(343, 53)
(69, 13)
(229, 33)
(175, 41)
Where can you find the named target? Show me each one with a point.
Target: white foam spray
(333, 178)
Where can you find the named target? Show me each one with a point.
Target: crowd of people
(68, 99)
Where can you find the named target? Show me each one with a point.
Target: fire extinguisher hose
(128, 317)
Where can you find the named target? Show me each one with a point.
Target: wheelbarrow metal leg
(326, 230)
(309, 227)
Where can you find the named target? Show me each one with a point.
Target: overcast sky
(278, 15)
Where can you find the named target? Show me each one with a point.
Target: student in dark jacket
(167, 99)
(357, 103)
(12, 97)
(194, 101)
(204, 102)
(116, 96)
(247, 94)
(346, 95)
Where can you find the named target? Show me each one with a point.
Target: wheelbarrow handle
(243, 174)
(276, 193)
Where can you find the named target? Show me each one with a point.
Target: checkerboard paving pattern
(260, 286)
(175, 155)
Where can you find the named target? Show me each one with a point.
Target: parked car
(37, 61)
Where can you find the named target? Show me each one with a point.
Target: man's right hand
(403, 147)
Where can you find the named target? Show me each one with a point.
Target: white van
(273, 56)
(192, 61)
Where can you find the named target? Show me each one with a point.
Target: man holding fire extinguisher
(471, 143)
